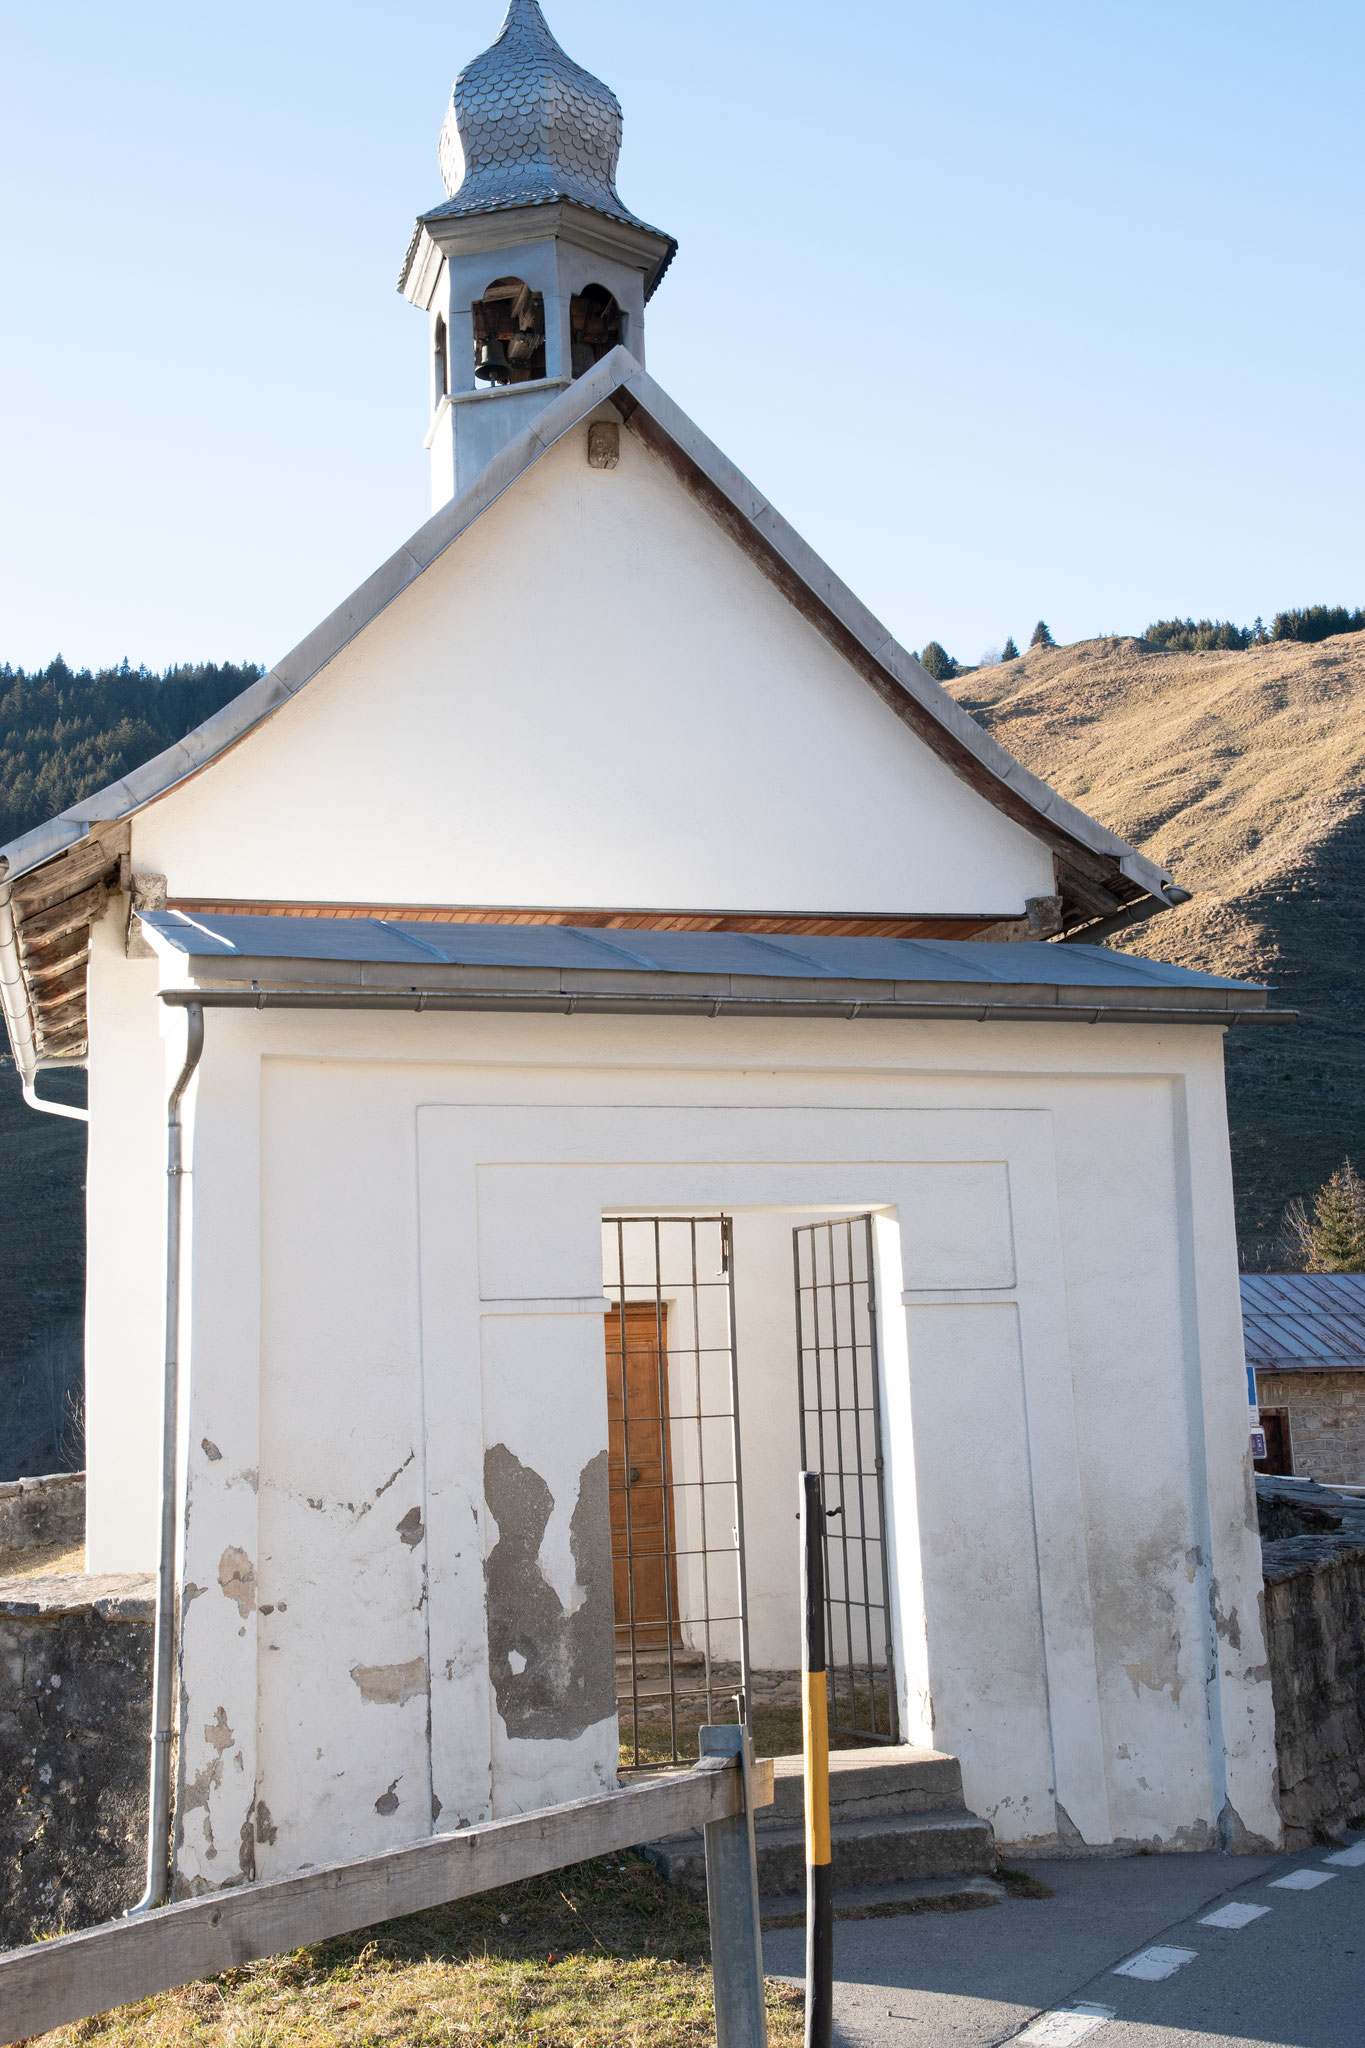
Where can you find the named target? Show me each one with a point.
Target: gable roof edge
(729, 495)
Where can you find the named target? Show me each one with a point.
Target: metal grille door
(838, 1378)
(677, 1501)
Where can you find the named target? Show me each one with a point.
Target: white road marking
(1064, 2029)
(1302, 1880)
(1350, 1859)
(1155, 1963)
(1238, 1914)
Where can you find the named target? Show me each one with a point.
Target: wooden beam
(84, 908)
(62, 877)
(56, 991)
(798, 923)
(63, 1043)
(58, 959)
(53, 1983)
(1083, 890)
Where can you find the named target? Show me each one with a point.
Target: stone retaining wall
(1315, 1638)
(75, 1692)
(37, 1512)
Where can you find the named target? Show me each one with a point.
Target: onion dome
(529, 127)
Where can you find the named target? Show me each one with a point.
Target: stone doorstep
(886, 1901)
(897, 1819)
(866, 1782)
(888, 1849)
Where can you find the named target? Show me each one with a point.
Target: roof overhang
(265, 963)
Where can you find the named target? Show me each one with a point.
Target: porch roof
(389, 963)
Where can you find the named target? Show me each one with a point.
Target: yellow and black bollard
(815, 1732)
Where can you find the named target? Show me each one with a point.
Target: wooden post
(815, 1733)
(732, 1902)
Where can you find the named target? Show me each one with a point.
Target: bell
(491, 362)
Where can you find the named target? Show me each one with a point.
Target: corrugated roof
(1031, 963)
(1304, 1322)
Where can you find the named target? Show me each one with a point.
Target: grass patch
(42, 1561)
(603, 1955)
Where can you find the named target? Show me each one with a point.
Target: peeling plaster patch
(567, 1682)
(1157, 1675)
(246, 1848)
(189, 1593)
(516, 1662)
(1227, 1625)
(266, 1829)
(1236, 1838)
(211, 1451)
(387, 1802)
(390, 1685)
(379, 1490)
(1067, 1831)
(435, 1807)
(217, 1734)
(410, 1529)
(237, 1577)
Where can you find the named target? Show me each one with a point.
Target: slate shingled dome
(527, 126)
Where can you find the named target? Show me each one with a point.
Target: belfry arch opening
(595, 327)
(509, 333)
(440, 367)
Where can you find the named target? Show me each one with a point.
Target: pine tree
(1332, 1240)
(1009, 652)
(1041, 636)
(938, 661)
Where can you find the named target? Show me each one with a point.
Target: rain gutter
(567, 1002)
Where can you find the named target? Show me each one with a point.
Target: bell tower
(531, 270)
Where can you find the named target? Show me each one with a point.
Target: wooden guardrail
(53, 1983)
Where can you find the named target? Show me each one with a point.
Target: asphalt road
(1292, 1976)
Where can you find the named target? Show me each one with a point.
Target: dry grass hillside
(1245, 774)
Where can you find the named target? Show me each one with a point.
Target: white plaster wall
(592, 683)
(1081, 1256)
(125, 1252)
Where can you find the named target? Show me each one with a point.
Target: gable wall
(593, 698)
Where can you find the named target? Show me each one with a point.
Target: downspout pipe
(163, 1655)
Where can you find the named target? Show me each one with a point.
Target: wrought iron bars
(839, 1392)
(675, 1481)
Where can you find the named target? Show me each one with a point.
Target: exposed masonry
(75, 1715)
(36, 1513)
(554, 1674)
(1313, 1551)
(1326, 1421)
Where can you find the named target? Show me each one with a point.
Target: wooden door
(644, 1537)
(1279, 1454)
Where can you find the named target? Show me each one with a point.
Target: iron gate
(839, 1390)
(675, 1483)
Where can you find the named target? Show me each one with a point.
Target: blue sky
(1013, 311)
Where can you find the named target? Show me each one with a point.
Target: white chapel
(600, 1075)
